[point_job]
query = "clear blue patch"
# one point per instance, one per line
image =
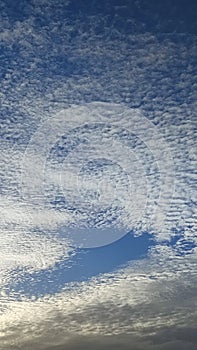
(85, 264)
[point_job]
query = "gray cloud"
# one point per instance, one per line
(133, 310)
(168, 339)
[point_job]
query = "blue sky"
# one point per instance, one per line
(86, 263)
(98, 131)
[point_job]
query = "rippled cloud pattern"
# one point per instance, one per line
(98, 175)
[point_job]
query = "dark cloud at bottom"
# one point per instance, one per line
(166, 339)
(165, 319)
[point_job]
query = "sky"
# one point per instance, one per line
(98, 174)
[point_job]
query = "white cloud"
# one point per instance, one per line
(154, 74)
(143, 299)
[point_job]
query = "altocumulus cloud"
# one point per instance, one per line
(148, 304)
(152, 306)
